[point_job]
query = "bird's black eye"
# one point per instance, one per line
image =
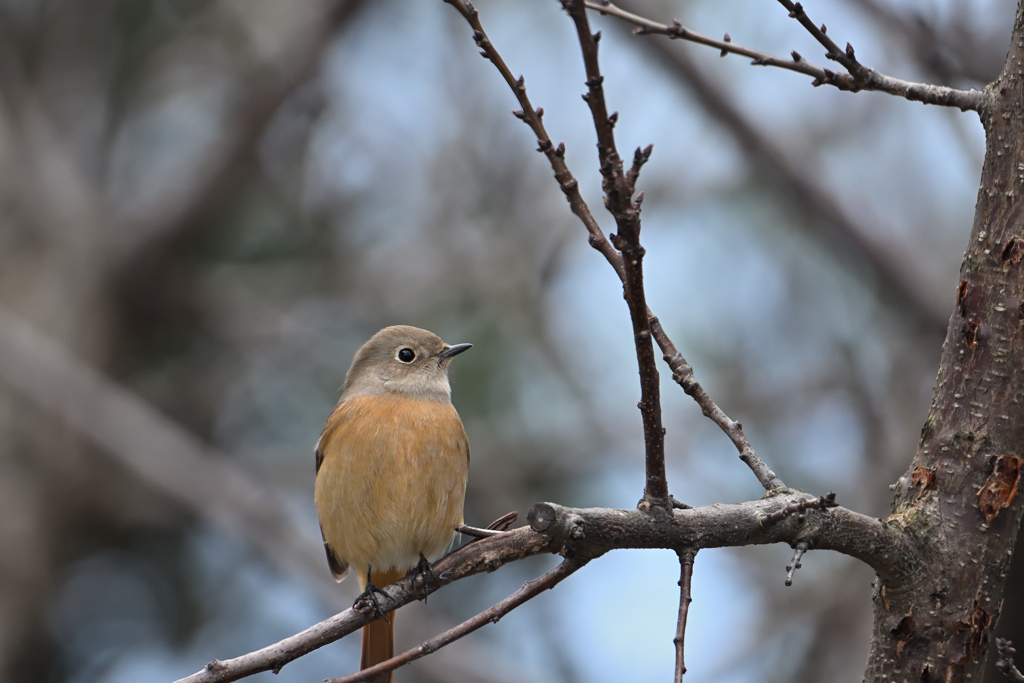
(406, 355)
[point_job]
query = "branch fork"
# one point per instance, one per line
(859, 77)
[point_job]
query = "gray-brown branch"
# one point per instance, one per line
(484, 555)
(593, 531)
(843, 232)
(859, 77)
(959, 499)
(682, 373)
(530, 590)
(619, 186)
(588, 533)
(685, 580)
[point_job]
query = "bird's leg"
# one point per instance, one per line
(423, 570)
(369, 597)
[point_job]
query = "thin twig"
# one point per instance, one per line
(677, 31)
(794, 564)
(496, 527)
(845, 233)
(534, 119)
(685, 579)
(682, 372)
(868, 79)
(486, 555)
(530, 590)
(834, 52)
(619, 186)
(947, 52)
(859, 78)
(476, 532)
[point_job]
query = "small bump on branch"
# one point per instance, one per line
(797, 507)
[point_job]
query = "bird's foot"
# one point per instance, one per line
(421, 571)
(367, 601)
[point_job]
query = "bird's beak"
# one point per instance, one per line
(454, 350)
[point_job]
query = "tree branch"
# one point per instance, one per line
(593, 531)
(682, 372)
(530, 590)
(685, 579)
(794, 564)
(485, 555)
(534, 119)
(618, 186)
(843, 232)
(859, 78)
(583, 534)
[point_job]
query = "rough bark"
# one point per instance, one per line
(958, 498)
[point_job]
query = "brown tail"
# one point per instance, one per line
(379, 635)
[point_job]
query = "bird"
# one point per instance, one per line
(391, 469)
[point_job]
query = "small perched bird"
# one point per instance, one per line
(391, 468)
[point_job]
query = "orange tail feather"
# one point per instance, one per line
(379, 635)
(379, 645)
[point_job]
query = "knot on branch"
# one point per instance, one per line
(798, 507)
(543, 517)
(676, 30)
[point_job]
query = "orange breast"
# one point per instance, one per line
(392, 482)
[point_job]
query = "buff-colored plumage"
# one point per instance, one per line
(392, 481)
(391, 466)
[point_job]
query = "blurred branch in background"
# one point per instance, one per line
(850, 242)
(955, 50)
(168, 458)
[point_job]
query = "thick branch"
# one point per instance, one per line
(530, 590)
(487, 554)
(592, 531)
(618, 197)
(794, 518)
(960, 497)
(859, 78)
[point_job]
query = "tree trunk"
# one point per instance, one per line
(958, 499)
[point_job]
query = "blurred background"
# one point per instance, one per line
(206, 206)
